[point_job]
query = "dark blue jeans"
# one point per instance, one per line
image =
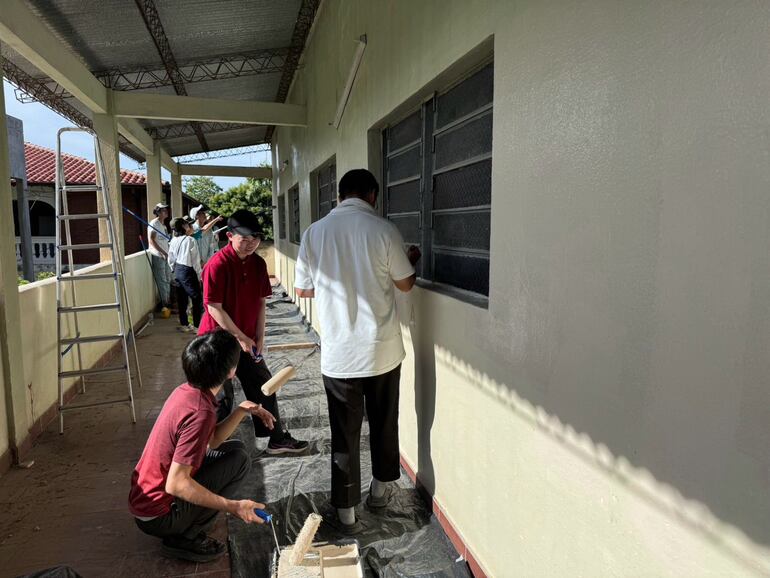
(188, 286)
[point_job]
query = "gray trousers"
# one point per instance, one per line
(162, 273)
(222, 472)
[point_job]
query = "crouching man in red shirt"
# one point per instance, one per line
(189, 470)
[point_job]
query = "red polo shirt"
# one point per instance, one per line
(237, 284)
(181, 434)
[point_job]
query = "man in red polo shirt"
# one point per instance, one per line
(189, 470)
(235, 288)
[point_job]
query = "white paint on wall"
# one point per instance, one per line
(609, 414)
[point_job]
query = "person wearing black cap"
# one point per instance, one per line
(158, 237)
(235, 287)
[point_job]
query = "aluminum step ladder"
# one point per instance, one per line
(67, 307)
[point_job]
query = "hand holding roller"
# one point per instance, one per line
(278, 380)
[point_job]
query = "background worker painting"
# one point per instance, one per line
(158, 246)
(235, 286)
(204, 234)
(351, 261)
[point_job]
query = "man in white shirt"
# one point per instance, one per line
(158, 237)
(351, 262)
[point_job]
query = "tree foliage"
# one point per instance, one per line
(201, 188)
(255, 195)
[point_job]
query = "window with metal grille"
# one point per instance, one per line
(325, 191)
(282, 216)
(438, 182)
(294, 231)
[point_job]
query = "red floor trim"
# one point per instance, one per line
(454, 536)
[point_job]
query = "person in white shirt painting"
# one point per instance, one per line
(351, 262)
(203, 232)
(158, 235)
(185, 262)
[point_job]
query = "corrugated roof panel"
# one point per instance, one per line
(262, 87)
(217, 141)
(105, 34)
(202, 29)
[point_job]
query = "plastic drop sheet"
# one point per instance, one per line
(403, 541)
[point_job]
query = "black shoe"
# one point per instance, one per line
(334, 522)
(377, 504)
(200, 549)
(286, 445)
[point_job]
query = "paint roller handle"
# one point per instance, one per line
(264, 515)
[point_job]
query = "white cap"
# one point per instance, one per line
(195, 210)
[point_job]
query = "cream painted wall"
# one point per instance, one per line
(38, 306)
(609, 414)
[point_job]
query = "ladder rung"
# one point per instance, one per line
(85, 246)
(87, 277)
(81, 308)
(92, 371)
(77, 188)
(82, 216)
(94, 404)
(92, 338)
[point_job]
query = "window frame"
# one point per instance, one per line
(428, 172)
(282, 236)
(316, 188)
(295, 228)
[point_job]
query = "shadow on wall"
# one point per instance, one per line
(730, 515)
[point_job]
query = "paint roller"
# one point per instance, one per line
(278, 380)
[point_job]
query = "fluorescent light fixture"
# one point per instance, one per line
(351, 79)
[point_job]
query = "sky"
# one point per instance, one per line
(41, 125)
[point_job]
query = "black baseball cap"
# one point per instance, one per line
(243, 222)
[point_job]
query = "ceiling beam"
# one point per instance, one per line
(155, 27)
(226, 171)
(169, 107)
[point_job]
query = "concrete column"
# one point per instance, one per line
(106, 129)
(17, 406)
(154, 182)
(176, 196)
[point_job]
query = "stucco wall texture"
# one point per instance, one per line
(609, 412)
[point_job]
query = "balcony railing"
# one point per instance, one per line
(43, 253)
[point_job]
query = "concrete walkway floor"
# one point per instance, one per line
(70, 507)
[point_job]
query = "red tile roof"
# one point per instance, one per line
(41, 168)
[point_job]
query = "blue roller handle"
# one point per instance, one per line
(264, 515)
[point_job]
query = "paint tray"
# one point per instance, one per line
(338, 559)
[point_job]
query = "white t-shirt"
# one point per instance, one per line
(207, 244)
(183, 250)
(351, 258)
(160, 240)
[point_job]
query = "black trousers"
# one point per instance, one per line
(188, 285)
(252, 376)
(346, 399)
(222, 472)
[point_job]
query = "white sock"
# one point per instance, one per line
(378, 488)
(347, 515)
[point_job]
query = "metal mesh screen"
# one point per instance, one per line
(468, 186)
(327, 190)
(448, 218)
(405, 132)
(294, 210)
(462, 230)
(463, 99)
(282, 217)
(467, 272)
(409, 225)
(404, 198)
(469, 140)
(404, 165)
